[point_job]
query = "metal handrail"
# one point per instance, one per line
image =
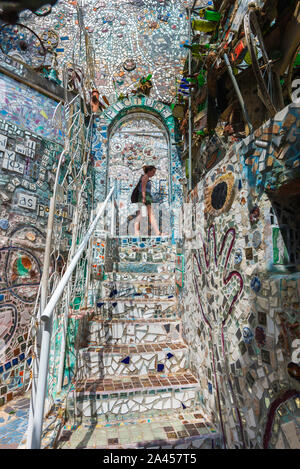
(46, 317)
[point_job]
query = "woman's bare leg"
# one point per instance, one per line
(137, 225)
(152, 220)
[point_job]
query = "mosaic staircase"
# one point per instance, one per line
(134, 388)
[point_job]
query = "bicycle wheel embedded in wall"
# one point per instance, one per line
(293, 72)
(269, 90)
(22, 44)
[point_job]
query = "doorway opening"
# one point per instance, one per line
(136, 140)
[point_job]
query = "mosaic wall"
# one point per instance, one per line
(129, 40)
(29, 109)
(242, 291)
(29, 148)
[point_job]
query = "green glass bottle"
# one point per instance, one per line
(204, 25)
(212, 15)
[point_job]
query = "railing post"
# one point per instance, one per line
(35, 440)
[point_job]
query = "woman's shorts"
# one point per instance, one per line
(148, 200)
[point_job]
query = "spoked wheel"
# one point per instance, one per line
(268, 84)
(293, 72)
(22, 44)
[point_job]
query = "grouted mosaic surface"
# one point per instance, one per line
(32, 111)
(129, 40)
(31, 142)
(28, 155)
(134, 366)
(241, 294)
(118, 331)
(185, 430)
(136, 359)
(13, 421)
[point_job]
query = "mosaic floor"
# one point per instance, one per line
(180, 431)
(13, 422)
(137, 348)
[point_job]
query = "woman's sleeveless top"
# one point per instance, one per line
(148, 187)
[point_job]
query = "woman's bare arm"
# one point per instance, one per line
(145, 179)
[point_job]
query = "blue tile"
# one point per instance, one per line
(126, 360)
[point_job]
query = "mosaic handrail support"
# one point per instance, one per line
(46, 316)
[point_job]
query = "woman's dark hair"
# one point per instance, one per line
(148, 168)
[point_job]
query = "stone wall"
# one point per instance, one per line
(242, 287)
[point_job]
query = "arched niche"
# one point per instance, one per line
(107, 124)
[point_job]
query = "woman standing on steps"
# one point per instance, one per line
(145, 200)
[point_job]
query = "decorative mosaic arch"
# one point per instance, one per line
(104, 126)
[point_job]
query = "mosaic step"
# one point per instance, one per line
(133, 417)
(115, 360)
(153, 290)
(153, 255)
(144, 242)
(142, 249)
(133, 331)
(135, 394)
(184, 430)
(137, 308)
(150, 243)
(138, 250)
(133, 277)
(141, 267)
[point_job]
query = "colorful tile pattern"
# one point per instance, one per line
(241, 295)
(147, 34)
(29, 109)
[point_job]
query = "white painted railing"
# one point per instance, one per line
(35, 432)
